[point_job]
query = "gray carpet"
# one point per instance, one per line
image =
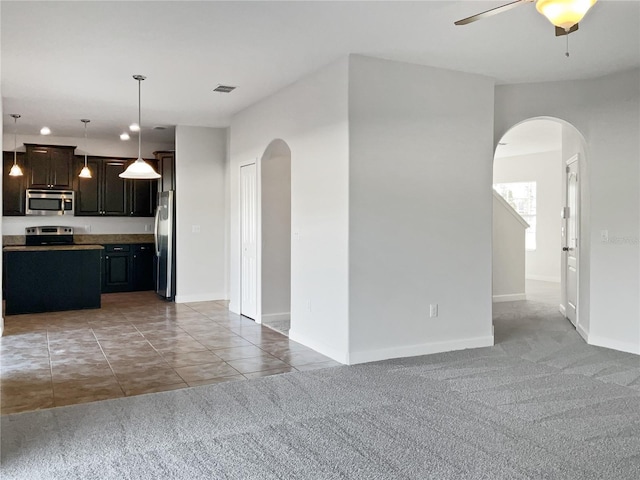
(539, 405)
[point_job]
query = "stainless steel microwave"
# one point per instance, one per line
(50, 202)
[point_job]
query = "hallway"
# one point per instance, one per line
(534, 330)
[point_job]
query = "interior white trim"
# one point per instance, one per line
(276, 316)
(422, 349)
(543, 278)
(201, 297)
(1, 326)
(510, 297)
(599, 341)
(563, 310)
(319, 347)
(582, 332)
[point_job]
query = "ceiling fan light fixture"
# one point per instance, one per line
(564, 13)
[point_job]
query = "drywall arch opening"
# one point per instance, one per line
(539, 170)
(275, 236)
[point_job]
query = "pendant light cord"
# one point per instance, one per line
(85, 142)
(139, 78)
(15, 137)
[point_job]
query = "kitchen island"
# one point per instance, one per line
(51, 278)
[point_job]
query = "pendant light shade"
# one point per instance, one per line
(140, 170)
(15, 171)
(85, 172)
(564, 13)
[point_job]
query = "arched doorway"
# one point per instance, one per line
(536, 261)
(275, 220)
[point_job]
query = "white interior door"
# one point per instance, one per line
(249, 228)
(570, 249)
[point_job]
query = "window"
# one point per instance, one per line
(522, 197)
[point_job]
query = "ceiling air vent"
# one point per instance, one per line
(224, 88)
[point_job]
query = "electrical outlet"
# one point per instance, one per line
(309, 305)
(87, 228)
(604, 236)
(433, 310)
(195, 228)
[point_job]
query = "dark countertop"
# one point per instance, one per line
(46, 248)
(91, 239)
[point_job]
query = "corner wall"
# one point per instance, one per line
(201, 154)
(606, 111)
(311, 117)
(420, 209)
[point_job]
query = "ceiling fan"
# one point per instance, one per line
(564, 14)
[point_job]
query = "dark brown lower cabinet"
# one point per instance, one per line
(128, 268)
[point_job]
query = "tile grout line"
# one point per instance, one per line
(108, 362)
(53, 393)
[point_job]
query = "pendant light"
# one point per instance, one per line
(15, 171)
(140, 169)
(85, 172)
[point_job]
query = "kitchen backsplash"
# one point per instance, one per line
(81, 225)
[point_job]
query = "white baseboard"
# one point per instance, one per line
(627, 347)
(542, 278)
(582, 332)
(563, 310)
(1, 326)
(511, 297)
(331, 352)
(200, 297)
(276, 316)
(423, 349)
(234, 308)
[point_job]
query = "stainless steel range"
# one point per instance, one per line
(49, 235)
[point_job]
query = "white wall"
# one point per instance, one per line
(201, 154)
(311, 117)
(276, 235)
(508, 258)
(420, 208)
(544, 168)
(96, 146)
(606, 111)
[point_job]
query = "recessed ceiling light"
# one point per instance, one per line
(124, 136)
(159, 127)
(45, 131)
(224, 88)
(502, 143)
(134, 127)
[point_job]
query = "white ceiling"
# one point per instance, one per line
(62, 61)
(533, 136)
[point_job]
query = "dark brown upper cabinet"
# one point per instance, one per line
(109, 195)
(12, 187)
(166, 168)
(49, 166)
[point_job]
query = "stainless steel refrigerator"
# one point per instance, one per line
(165, 245)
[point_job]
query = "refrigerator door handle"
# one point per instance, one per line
(155, 231)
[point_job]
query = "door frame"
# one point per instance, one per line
(575, 159)
(258, 217)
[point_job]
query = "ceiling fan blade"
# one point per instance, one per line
(561, 31)
(491, 12)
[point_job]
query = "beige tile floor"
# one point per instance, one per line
(136, 343)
